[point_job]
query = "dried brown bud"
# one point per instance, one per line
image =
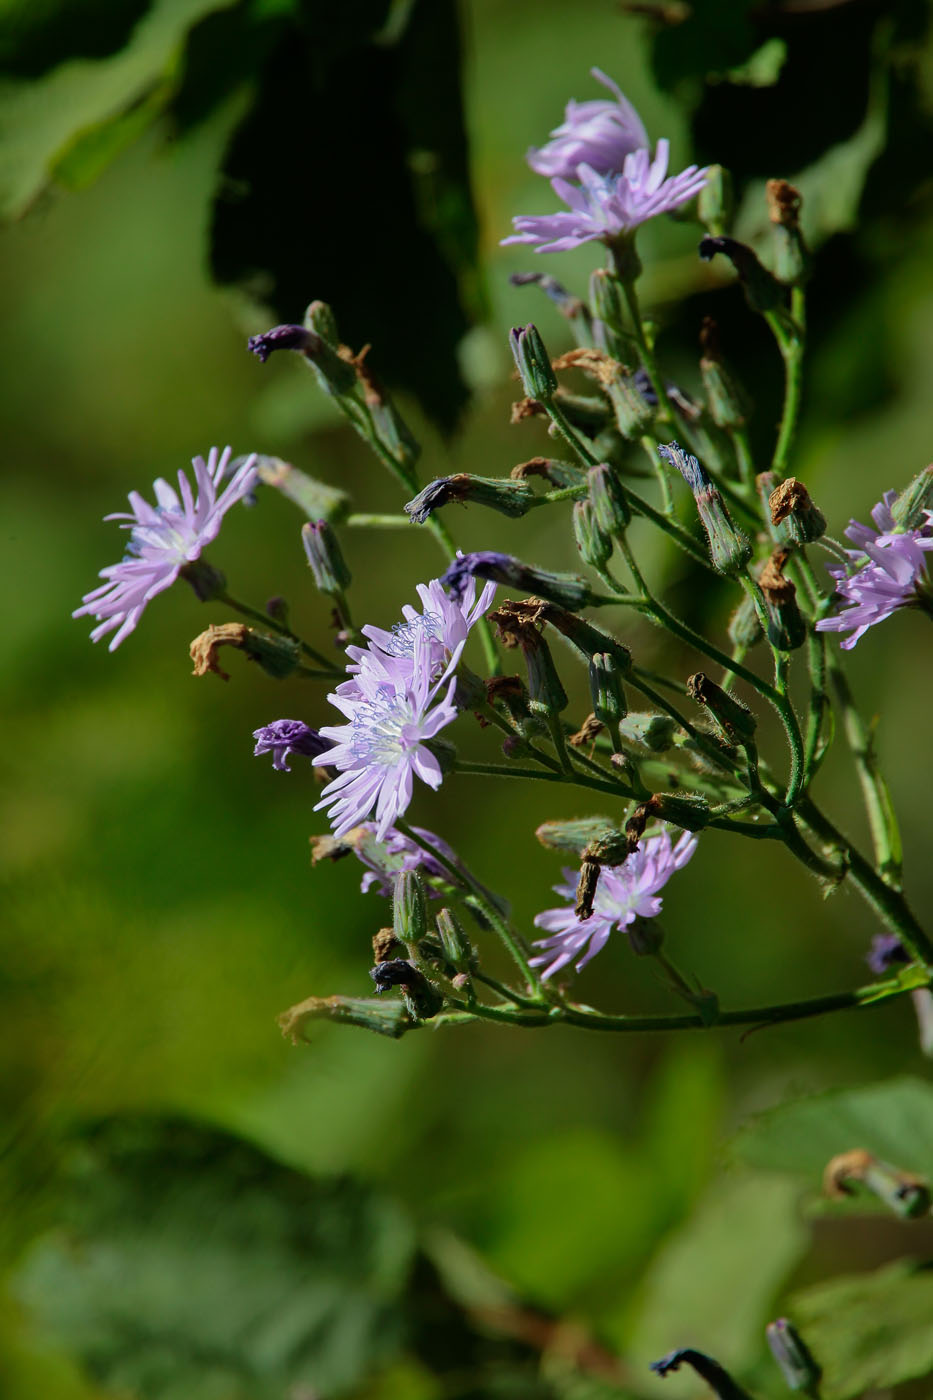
(709, 342)
(586, 888)
(783, 203)
(775, 587)
(788, 496)
(204, 648)
(385, 945)
(330, 847)
(526, 408)
(589, 731)
(635, 826)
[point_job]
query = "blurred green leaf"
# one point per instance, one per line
(869, 1331)
(764, 66)
(893, 1120)
(713, 1284)
(712, 36)
(41, 121)
(192, 1265)
(38, 34)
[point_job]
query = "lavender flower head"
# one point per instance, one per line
(397, 852)
(886, 951)
(609, 207)
(624, 893)
(286, 736)
(444, 624)
(163, 539)
(890, 572)
(598, 133)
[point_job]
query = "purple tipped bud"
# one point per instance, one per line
(909, 511)
(287, 736)
(568, 590)
(282, 338)
(325, 558)
(533, 363)
(730, 549)
(510, 497)
(886, 951)
(792, 1354)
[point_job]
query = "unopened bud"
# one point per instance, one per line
(762, 291)
(607, 497)
(454, 943)
(409, 907)
(389, 1018)
(422, 1000)
(634, 410)
(786, 627)
(546, 694)
(594, 544)
(587, 884)
(609, 319)
(715, 201)
(324, 555)
(277, 609)
(745, 625)
(606, 689)
(735, 719)
(576, 836)
(320, 318)
(317, 500)
(533, 363)
(791, 509)
(911, 506)
(903, 1192)
(508, 497)
(567, 590)
(791, 259)
(208, 583)
(793, 1356)
(730, 549)
(649, 731)
(688, 810)
(727, 404)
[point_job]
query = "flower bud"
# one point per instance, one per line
(715, 201)
(594, 544)
(745, 625)
(546, 694)
(551, 469)
(606, 689)
(907, 1195)
(533, 363)
(736, 720)
(585, 833)
(422, 1000)
(278, 656)
(645, 936)
(324, 555)
(792, 510)
(786, 627)
(384, 1017)
(762, 291)
(793, 1356)
(727, 403)
(320, 318)
(509, 497)
(568, 590)
(609, 324)
(649, 731)
(409, 908)
(730, 549)
(318, 501)
(909, 510)
(634, 410)
(454, 943)
(607, 497)
(791, 258)
(208, 583)
(689, 810)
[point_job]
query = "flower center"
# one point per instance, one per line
(404, 634)
(384, 730)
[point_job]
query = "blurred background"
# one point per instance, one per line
(510, 1210)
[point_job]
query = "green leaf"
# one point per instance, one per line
(869, 1331)
(191, 1266)
(41, 121)
(713, 1284)
(893, 1120)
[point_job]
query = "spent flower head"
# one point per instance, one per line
(888, 571)
(599, 133)
(164, 538)
(609, 207)
(287, 736)
(624, 893)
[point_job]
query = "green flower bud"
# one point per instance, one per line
(508, 497)
(715, 200)
(633, 413)
(389, 1018)
(649, 730)
(409, 908)
(606, 689)
(607, 497)
(745, 625)
(576, 836)
(730, 549)
(594, 544)
(793, 1356)
(736, 720)
(786, 628)
(318, 501)
(546, 694)
(727, 403)
(324, 555)
(208, 583)
(455, 945)
(609, 325)
(791, 258)
(533, 363)
(912, 503)
(688, 810)
(320, 318)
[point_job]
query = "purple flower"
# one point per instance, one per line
(282, 338)
(396, 852)
(624, 893)
(890, 572)
(393, 705)
(568, 590)
(444, 624)
(609, 207)
(285, 736)
(163, 539)
(598, 133)
(886, 951)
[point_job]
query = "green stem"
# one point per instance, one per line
(363, 520)
(510, 770)
(744, 457)
(271, 625)
(781, 702)
(791, 345)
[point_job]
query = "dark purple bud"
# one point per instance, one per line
(394, 973)
(886, 951)
(763, 291)
(568, 590)
(286, 736)
(282, 338)
(716, 1377)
